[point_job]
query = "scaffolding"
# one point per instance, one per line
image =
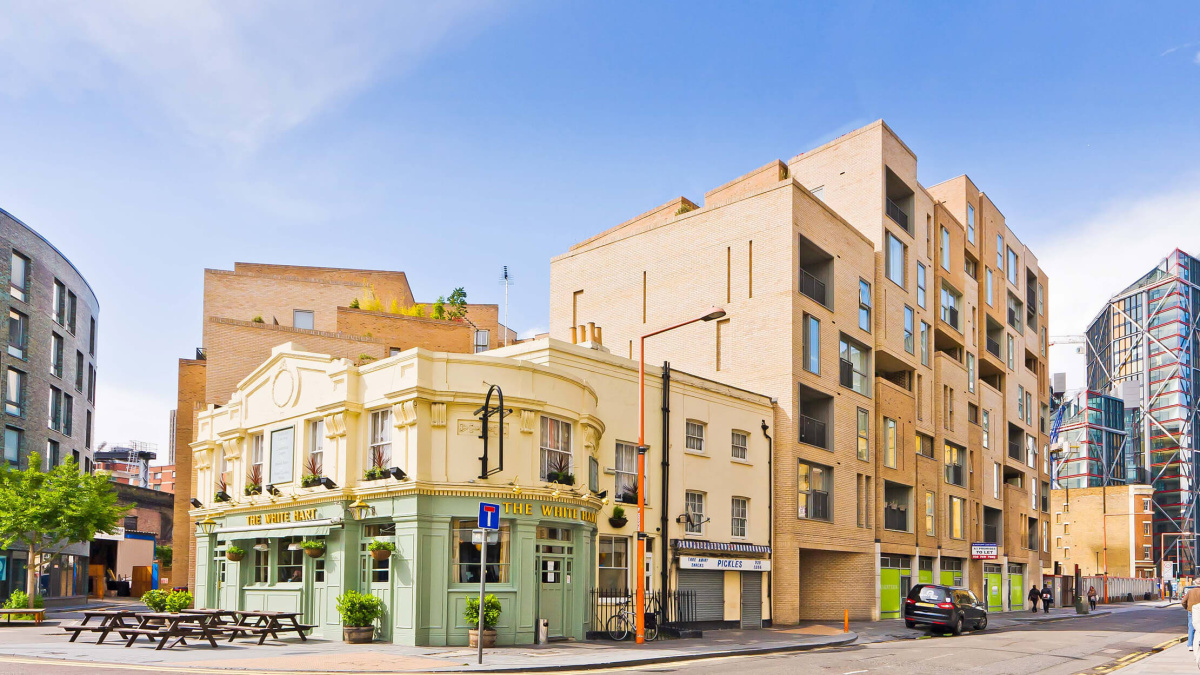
(1141, 348)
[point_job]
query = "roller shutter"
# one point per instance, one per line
(709, 589)
(751, 600)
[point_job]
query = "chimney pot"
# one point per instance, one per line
(599, 334)
(591, 331)
(574, 341)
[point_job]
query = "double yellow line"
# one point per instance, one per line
(1134, 657)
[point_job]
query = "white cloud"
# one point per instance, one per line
(232, 73)
(123, 415)
(1089, 262)
(530, 332)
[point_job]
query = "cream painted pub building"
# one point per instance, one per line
(569, 458)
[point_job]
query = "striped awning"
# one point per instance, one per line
(718, 547)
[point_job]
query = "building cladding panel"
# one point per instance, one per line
(31, 351)
(845, 241)
(1141, 347)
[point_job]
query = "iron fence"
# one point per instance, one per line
(671, 609)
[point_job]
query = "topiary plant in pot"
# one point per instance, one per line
(491, 617)
(359, 612)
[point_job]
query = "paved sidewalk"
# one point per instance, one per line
(24, 644)
(1171, 661)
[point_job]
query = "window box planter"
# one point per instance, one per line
(375, 473)
(310, 481)
(561, 478)
(252, 490)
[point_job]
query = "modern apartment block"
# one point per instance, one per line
(1091, 442)
(49, 382)
(902, 330)
(1141, 347)
(254, 307)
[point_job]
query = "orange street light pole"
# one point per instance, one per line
(640, 619)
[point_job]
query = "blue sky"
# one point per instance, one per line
(151, 140)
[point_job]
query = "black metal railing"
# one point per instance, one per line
(991, 534)
(1033, 539)
(895, 519)
(846, 373)
(670, 609)
(812, 286)
(897, 214)
(812, 431)
(993, 346)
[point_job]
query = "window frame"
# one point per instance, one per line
(560, 429)
(910, 318)
(891, 442)
(21, 292)
(921, 285)
(743, 518)
(690, 499)
(807, 499)
(20, 321)
(379, 435)
(734, 447)
(863, 422)
(971, 223)
(312, 319)
(691, 438)
(864, 305)
(812, 344)
(612, 556)
(945, 252)
(891, 241)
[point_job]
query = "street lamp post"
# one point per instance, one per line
(640, 619)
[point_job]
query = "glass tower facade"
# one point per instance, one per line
(1094, 442)
(1141, 348)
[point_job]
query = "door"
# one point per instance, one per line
(708, 591)
(751, 600)
(993, 581)
(552, 579)
(889, 593)
(1016, 594)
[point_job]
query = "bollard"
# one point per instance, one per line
(846, 621)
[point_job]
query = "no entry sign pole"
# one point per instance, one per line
(489, 521)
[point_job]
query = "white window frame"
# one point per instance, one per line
(548, 448)
(739, 515)
(380, 436)
(694, 436)
(740, 450)
(693, 501)
(316, 441)
(484, 344)
(312, 318)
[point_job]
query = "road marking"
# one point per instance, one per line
(854, 672)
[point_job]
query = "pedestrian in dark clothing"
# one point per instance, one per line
(1092, 597)
(1034, 596)
(1047, 598)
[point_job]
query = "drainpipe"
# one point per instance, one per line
(666, 471)
(770, 506)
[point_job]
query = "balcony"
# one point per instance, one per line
(993, 347)
(812, 286)
(897, 214)
(812, 431)
(951, 316)
(954, 474)
(1016, 438)
(991, 534)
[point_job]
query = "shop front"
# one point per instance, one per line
(540, 569)
(723, 583)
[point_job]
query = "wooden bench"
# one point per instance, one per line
(8, 614)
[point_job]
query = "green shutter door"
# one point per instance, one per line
(947, 577)
(889, 593)
(995, 593)
(1016, 595)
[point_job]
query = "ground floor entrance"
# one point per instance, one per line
(993, 581)
(1016, 585)
(895, 579)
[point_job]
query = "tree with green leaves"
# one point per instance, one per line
(456, 304)
(48, 511)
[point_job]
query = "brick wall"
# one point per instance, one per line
(404, 332)
(387, 284)
(190, 400)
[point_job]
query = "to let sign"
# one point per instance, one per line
(984, 551)
(489, 516)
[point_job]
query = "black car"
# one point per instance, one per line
(944, 607)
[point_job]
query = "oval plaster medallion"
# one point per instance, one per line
(282, 387)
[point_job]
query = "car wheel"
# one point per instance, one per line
(910, 624)
(982, 623)
(957, 626)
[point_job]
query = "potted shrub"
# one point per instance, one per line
(222, 494)
(155, 600)
(617, 519)
(491, 616)
(253, 481)
(628, 494)
(313, 548)
(177, 601)
(234, 553)
(381, 550)
(559, 471)
(359, 612)
(378, 460)
(312, 472)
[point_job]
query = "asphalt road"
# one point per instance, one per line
(1095, 646)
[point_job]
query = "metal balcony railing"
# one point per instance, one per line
(1014, 450)
(812, 286)
(993, 346)
(895, 519)
(897, 214)
(954, 474)
(812, 431)
(1014, 319)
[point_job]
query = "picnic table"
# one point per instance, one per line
(165, 625)
(264, 623)
(110, 620)
(220, 617)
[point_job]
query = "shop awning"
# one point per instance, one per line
(314, 528)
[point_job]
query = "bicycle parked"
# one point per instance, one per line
(622, 624)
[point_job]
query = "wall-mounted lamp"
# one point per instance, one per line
(262, 547)
(206, 526)
(361, 510)
(273, 491)
(196, 503)
(397, 473)
(328, 483)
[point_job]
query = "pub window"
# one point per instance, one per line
(380, 450)
(372, 571)
(614, 563)
(555, 447)
(262, 561)
(291, 560)
(465, 562)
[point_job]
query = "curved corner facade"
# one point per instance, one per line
(49, 382)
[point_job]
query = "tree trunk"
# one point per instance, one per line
(31, 579)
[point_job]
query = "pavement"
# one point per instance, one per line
(1168, 661)
(31, 645)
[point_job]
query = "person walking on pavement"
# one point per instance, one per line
(1047, 598)
(1191, 599)
(1092, 598)
(1034, 596)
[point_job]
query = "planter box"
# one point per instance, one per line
(489, 637)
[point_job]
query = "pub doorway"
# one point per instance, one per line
(555, 550)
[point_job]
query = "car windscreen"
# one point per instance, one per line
(929, 594)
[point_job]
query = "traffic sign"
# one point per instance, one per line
(489, 516)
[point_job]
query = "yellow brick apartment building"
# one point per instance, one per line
(902, 331)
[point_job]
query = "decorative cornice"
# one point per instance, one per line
(335, 425)
(437, 414)
(404, 413)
